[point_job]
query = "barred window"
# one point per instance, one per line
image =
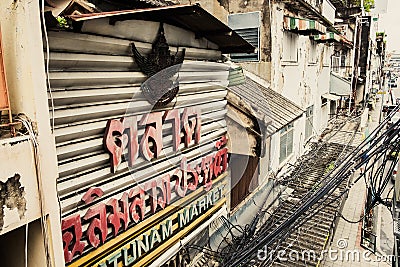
(286, 142)
(309, 122)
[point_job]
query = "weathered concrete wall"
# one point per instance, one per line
(221, 9)
(298, 148)
(19, 201)
(264, 162)
(25, 73)
(262, 68)
(302, 81)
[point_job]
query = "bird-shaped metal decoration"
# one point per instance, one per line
(159, 66)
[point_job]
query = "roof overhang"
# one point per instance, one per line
(332, 37)
(190, 17)
(305, 9)
(331, 96)
(56, 6)
(270, 108)
(303, 26)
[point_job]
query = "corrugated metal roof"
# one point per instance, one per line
(267, 104)
(191, 17)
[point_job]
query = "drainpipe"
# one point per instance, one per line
(356, 35)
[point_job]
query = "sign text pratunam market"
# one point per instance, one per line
(111, 218)
(144, 243)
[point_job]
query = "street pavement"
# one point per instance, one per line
(345, 249)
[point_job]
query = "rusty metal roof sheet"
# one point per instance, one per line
(190, 17)
(267, 104)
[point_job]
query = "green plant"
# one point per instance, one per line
(62, 22)
(329, 167)
(368, 4)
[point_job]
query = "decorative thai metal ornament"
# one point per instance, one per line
(162, 88)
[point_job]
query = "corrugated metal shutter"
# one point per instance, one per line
(93, 79)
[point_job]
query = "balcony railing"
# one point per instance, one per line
(321, 10)
(328, 11)
(342, 71)
(339, 85)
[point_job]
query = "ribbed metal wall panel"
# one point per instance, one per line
(101, 45)
(93, 79)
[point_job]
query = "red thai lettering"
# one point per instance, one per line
(221, 142)
(176, 135)
(137, 207)
(91, 194)
(220, 162)
(98, 216)
(72, 233)
(208, 170)
(119, 135)
(192, 126)
(186, 178)
(113, 142)
(153, 131)
(119, 212)
(163, 185)
(130, 125)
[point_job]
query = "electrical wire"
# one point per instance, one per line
(242, 242)
(26, 244)
(32, 136)
(347, 167)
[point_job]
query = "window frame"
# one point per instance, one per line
(284, 133)
(313, 53)
(309, 125)
(290, 38)
(326, 61)
(243, 24)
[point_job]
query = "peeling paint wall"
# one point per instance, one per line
(18, 187)
(221, 9)
(12, 196)
(304, 81)
(263, 67)
(26, 77)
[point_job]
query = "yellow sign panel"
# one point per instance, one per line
(142, 244)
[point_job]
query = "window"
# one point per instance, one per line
(244, 177)
(312, 55)
(343, 60)
(309, 122)
(247, 25)
(290, 42)
(335, 64)
(324, 101)
(286, 142)
(326, 56)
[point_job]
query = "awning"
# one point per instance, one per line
(339, 86)
(303, 26)
(331, 96)
(190, 17)
(332, 37)
(268, 106)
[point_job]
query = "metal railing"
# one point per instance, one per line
(368, 240)
(342, 71)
